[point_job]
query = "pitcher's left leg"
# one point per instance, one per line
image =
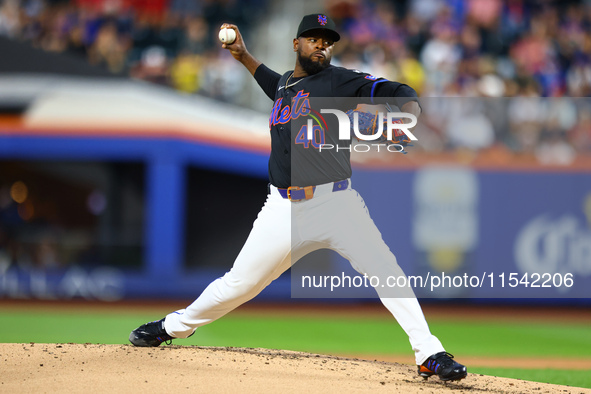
(358, 240)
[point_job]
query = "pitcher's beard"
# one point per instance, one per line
(310, 66)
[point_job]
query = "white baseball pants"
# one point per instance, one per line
(285, 231)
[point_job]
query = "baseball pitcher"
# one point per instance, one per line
(309, 190)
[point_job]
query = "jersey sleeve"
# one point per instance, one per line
(267, 80)
(352, 83)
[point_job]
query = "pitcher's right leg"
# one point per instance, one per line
(263, 258)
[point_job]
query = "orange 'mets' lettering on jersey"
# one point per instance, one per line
(300, 105)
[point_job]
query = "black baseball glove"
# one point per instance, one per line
(368, 123)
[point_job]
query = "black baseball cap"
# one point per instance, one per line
(317, 22)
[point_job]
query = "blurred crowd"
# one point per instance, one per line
(535, 52)
(446, 47)
(526, 129)
(167, 42)
(440, 47)
(525, 49)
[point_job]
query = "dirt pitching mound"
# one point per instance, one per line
(75, 368)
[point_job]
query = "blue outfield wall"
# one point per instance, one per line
(440, 221)
(521, 234)
(166, 163)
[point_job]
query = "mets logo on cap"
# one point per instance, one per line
(322, 19)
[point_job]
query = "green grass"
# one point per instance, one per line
(324, 335)
(379, 336)
(515, 339)
(554, 376)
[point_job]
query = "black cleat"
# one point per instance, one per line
(150, 334)
(442, 365)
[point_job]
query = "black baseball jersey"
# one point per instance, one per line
(296, 161)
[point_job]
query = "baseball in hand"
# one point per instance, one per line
(227, 36)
